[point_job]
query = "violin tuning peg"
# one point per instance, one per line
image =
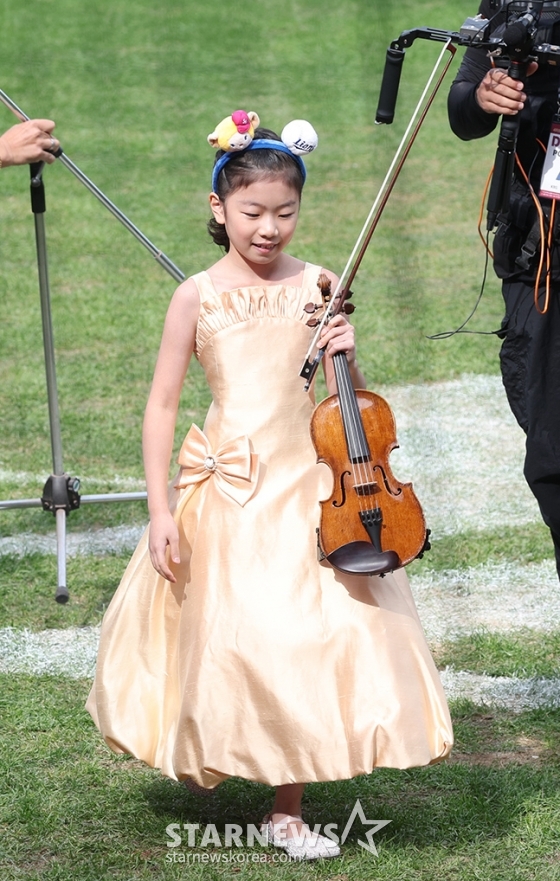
(348, 308)
(349, 295)
(310, 307)
(313, 322)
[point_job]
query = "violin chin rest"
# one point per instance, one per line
(361, 558)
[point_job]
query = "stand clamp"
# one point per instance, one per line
(61, 493)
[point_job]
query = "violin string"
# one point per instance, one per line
(353, 432)
(361, 470)
(342, 388)
(366, 471)
(362, 473)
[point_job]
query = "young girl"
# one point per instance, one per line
(235, 652)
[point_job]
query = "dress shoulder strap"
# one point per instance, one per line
(204, 285)
(310, 275)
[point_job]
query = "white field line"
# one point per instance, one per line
(460, 446)
(72, 653)
(463, 450)
(30, 478)
(464, 453)
(495, 596)
(507, 692)
(115, 540)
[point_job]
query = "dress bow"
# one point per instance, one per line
(234, 466)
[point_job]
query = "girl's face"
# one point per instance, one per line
(260, 219)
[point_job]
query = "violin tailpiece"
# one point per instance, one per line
(373, 521)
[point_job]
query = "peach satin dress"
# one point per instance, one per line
(261, 662)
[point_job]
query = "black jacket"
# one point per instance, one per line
(468, 121)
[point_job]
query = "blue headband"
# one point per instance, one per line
(258, 144)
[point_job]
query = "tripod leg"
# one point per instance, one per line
(62, 595)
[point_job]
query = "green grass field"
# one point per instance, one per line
(134, 92)
(134, 89)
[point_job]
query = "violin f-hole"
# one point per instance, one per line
(342, 490)
(388, 486)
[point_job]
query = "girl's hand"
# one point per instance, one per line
(338, 336)
(163, 535)
(499, 93)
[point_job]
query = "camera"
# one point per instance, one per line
(519, 31)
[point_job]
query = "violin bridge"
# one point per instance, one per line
(366, 489)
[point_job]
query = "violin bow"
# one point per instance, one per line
(342, 291)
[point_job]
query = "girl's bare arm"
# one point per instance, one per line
(177, 346)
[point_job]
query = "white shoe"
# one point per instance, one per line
(305, 845)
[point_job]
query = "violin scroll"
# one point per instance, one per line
(324, 285)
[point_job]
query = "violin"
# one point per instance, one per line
(371, 524)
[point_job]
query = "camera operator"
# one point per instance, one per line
(530, 353)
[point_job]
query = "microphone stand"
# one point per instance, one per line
(61, 491)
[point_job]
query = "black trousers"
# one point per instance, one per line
(530, 363)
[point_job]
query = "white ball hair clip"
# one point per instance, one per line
(300, 136)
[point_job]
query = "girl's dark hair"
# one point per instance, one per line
(248, 166)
